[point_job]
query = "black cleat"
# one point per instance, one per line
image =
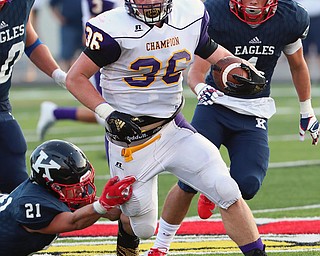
(127, 245)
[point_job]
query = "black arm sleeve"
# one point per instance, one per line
(206, 50)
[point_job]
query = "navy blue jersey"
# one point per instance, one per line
(241, 125)
(32, 206)
(13, 21)
(261, 45)
(13, 18)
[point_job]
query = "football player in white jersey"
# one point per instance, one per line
(141, 51)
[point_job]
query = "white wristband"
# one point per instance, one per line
(98, 208)
(306, 108)
(199, 87)
(59, 77)
(104, 110)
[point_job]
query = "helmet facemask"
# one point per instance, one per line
(76, 195)
(149, 13)
(253, 15)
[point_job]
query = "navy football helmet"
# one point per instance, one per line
(64, 170)
(251, 14)
(149, 13)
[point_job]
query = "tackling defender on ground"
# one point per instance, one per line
(59, 196)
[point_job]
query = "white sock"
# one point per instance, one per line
(165, 234)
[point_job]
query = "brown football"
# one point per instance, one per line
(225, 68)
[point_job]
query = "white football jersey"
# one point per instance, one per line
(142, 65)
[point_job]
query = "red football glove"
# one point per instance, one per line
(115, 192)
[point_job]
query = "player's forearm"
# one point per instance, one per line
(197, 72)
(68, 221)
(42, 58)
(300, 74)
(84, 217)
(81, 88)
(301, 81)
(79, 85)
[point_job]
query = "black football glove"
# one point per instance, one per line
(254, 84)
(121, 126)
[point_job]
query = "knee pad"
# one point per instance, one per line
(144, 226)
(145, 231)
(249, 187)
(228, 191)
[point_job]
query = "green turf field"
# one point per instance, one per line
(291, 188)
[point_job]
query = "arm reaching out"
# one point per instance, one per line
(115, 192)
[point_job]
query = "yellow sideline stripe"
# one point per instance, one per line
(205, 246)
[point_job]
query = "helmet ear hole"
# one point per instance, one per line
(64, 170)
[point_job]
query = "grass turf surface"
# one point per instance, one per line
(291, 188)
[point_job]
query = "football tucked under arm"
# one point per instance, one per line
(236, 76)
